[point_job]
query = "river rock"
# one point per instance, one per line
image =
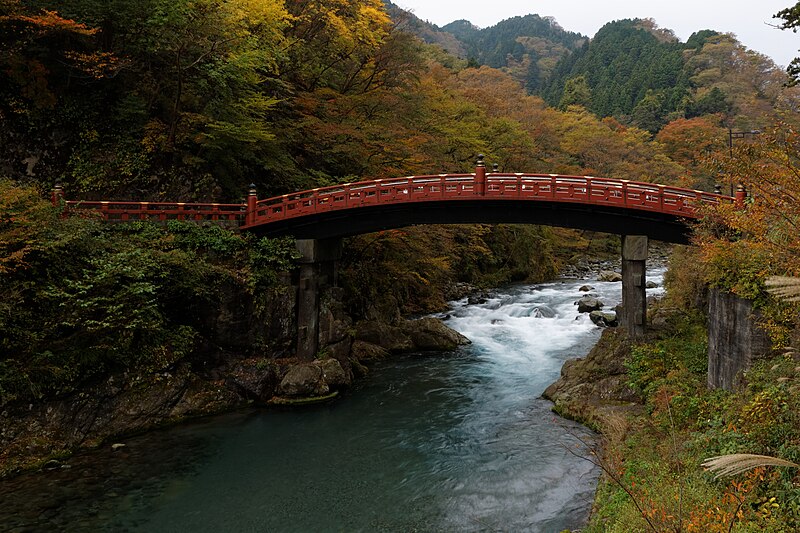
(255, 378)
(410, 335)
(587, 304)
(651, 285)
(604, 319)
(432, 334)
(366, 351)
(595, 387)
(586, 288)
(303, 381)
(477, 300)
(391, 338)
(609, 275)
(334, 375)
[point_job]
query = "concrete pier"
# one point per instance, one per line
(634, 297)
(318, 264)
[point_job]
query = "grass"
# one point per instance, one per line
(657, 459)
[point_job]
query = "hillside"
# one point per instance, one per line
(631, 70)
(527, 47)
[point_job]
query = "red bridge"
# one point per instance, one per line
(319, 217)
(600, 204)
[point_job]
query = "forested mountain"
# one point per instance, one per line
(631, 69)
(641, 74)
(528, 47)
(622, 65)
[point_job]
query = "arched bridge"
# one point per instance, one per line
(599, 204)
(319, 217)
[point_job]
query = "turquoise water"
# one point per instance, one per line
(443, 442)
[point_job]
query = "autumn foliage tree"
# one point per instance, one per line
(768, 224)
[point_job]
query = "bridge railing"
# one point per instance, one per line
(545, 187)
(642, 196)
(365, 193)
(162, 211)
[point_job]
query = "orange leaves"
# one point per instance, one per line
(769, 224)
(686, 140)
(31, 69)
(98, 65)
(50, 22)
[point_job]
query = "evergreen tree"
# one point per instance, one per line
(576, 92)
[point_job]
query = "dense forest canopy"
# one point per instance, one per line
(194, 100)
(191, 100)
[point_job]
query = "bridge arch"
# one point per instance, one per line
(583, 202)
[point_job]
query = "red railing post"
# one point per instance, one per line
(57, 194)
(252, 199)
(480, 176)
(741, 196)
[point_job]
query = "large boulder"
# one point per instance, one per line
(424, 334)
(609, 275)
(333, 374)
(596, 386)
(604, 319)
(303, 381)
(365, 351)
(255, 378)
(391, 338)
(587, 304)
(432, 334)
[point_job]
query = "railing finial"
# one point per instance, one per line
(57, 194)
(252, 201)
(480, 176)
(717, 189)
(741, 196)
(495, 168)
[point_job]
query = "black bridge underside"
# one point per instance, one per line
(606, 219)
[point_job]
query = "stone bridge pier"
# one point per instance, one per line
(634, 297)
(318, 269)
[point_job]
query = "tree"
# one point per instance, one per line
(791, 21)
(649, 112)
(769, 225)
(690, 142)
(157, 97)
(576, 92)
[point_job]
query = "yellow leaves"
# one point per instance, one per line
(263, 18)
(22, 215)
(345, 23)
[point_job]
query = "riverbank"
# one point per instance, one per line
(43, 434)
(443, 441)
(649, 401)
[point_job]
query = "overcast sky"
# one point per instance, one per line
(748, 20)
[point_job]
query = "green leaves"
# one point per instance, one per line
(80, 299)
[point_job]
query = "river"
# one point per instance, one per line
(443, 442)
